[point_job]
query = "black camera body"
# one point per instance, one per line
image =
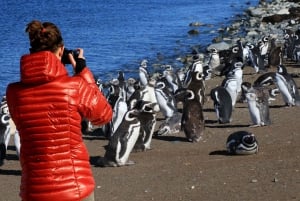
(65, 56)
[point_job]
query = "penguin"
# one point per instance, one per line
(207, 72)
(287, 87)
(258, 105)
(147, 117)
(214, 59)
(264, 80)
(253, 57)
(99, 83)
(237, 73)
(122, 142)
(275, 57)
(291, 41)
(233, 81)
(165, 100)
(181, 74)
(119, 110)
(148, 94)
(114, 92)
(222, 104)
(130, 87)
(242, 143)
(171, 78)
(171, 125)
(242, 51)
(264, 46)
(231, 85)
(245, 87)
(143, 73)
(192, 121)
(258, 54)
(196, 66)
(6, 123)
(4, 135)
(267, 80)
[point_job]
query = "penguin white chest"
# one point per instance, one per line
(253, 109)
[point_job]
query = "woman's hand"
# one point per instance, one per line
(79, 63)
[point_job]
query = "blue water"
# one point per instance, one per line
(115, 34)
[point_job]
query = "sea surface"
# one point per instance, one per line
(115, 34)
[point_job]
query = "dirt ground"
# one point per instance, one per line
(177, 170)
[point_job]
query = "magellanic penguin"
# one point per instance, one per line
(196, 66)
(4, 135)
(147, 117)
(267, 80)
(214, 59)
(231, 85)
(130, 87)
(275, 56)
(258, 105)
(192, 122)
(171, 125)
(143, 73)
(264, 46)
(171, 78)
(148, 94)
(5, 123)
(7, 127)
(122, 142)
(253, 56)
(222, 104)
(234, 78)
(119, 110)
(165, 100)
(242, 143)
(245, 87)
(287, 87)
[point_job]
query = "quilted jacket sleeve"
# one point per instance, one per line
(93, 104)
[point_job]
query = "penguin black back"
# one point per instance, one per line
(222, 103)
(192, 122)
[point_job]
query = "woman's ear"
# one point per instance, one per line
(61, 51)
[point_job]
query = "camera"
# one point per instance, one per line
(65, 56)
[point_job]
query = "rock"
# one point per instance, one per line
(196, 24)
(219, 46)
(283, 11)
(193, 32)
(255, 12)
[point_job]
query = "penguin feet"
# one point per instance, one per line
(195, 139)
(254, 126)
(103, 162)
(164, 130)
(129, 162)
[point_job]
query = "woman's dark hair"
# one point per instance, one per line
(43, 36)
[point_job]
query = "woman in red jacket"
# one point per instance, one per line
(47, 107)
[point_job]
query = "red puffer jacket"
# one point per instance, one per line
(47, 107)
